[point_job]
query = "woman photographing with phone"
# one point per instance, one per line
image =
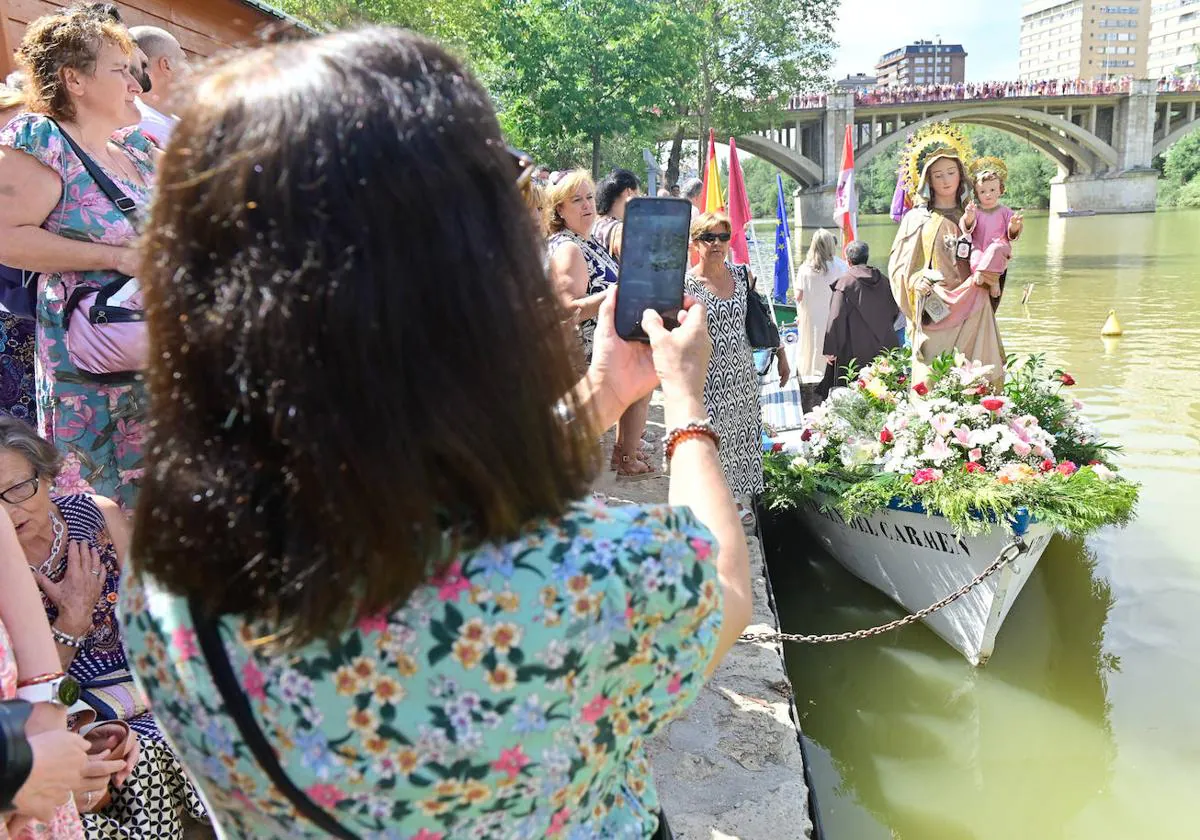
(406, 617)
(731, 386)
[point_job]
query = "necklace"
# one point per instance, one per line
(59, 530)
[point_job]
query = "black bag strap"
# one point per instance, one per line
(238, 707)
(102, 295)
(124, 203)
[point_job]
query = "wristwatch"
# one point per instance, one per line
(61, 691)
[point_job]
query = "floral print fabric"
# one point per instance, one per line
(97, 428)
(511, 696)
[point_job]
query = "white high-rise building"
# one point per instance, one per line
(1174, 38)
(1081, 39)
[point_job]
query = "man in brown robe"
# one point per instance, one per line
(862, 317)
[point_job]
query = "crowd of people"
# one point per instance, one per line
(904, 94)
(361, 593)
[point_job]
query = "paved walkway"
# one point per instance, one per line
(731, 767)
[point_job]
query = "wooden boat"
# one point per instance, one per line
(916, 560)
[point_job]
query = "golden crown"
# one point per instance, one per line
(933, 138)
(988, 163)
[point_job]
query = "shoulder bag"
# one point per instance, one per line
(106, 329)
(760, 326)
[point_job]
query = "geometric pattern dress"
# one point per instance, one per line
(731, 390)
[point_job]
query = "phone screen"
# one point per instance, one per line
(653, 262)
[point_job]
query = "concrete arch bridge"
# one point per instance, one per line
(1102, 144)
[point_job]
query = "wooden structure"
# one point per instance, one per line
(203, 27)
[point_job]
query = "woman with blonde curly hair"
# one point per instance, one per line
(78, 83)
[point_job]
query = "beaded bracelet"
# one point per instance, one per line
(65, 639)
(694, 429)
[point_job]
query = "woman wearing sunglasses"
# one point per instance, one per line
(731, 388)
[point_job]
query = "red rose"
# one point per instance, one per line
(992, 403)
(886, 436)
(777, 447)
(902, 379)
(921, 389)
(1067, 468)
(981, 390)
(806, 434)
(1046, 465)
(974, 467)
(1066, 379)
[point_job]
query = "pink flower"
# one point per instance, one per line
(324, 795)
(962, 434)
(1022, 448)
(70, 479)
(675, 684)
(942, 424)
(426, 834)
(77, 422)
(129, 437)
(992, 403)
(1067, 468)
(559, 821)
(939, 450)
(1066, 379)
(703, 548)
(595, 708)
(511, 761)
(981, 390)
(886, 436)
(184, 642)
(974, 467)
(253, 682)
(975, 454)
(450, 583)
(1046, 465)
(926, 476)
(921, 389)
(373, 624)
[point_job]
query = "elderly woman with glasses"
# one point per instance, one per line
(731, 389)
(75, 547)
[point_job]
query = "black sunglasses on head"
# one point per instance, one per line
(711, 237)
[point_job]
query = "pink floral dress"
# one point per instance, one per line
(97, 427)
(66, 824)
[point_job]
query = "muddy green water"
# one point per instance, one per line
(1086, 723)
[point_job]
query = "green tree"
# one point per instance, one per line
(877, 182)
(761, 189)
(1182, 162)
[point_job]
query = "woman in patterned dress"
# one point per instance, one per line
(152, 797)
(477, 650)
(731, 388)
(67, 229)
(581, 268)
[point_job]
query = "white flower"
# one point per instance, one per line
(1103, 473)
(799, 462)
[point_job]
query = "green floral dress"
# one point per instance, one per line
(511, 696)
(97, 428)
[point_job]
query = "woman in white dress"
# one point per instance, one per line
(821, 268)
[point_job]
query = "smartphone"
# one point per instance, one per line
(653, 262)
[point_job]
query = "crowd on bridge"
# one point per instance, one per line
(900, 95)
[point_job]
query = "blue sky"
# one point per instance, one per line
(866, 29)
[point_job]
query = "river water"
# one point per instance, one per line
(1086, 722)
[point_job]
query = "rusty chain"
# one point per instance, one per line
(1008, 554)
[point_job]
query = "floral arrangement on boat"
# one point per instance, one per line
(956, 447)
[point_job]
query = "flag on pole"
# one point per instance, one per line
(739, 208)
(712, 178)
(901, 203)
(845, 202)
(783, 236)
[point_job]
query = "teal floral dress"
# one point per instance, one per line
(97, 428)
(511, 696)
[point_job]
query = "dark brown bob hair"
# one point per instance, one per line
(356, 354)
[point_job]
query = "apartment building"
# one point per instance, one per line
(922, 63)
(1081, 39)
(1174, 38)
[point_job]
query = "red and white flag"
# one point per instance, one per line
(845, 201)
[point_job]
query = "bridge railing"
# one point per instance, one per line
(916, 94)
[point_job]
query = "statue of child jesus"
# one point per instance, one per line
(992, 228)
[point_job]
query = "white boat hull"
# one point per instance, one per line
(916, 560)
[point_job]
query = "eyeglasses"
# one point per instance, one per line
(710, 237)
(20, 492)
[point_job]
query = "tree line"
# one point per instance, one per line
(596, 82)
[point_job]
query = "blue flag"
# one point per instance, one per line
(782, 238)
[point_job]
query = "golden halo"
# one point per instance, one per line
(988, 162)
(936, 137)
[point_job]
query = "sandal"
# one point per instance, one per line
(632, 469)
(643, 455)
